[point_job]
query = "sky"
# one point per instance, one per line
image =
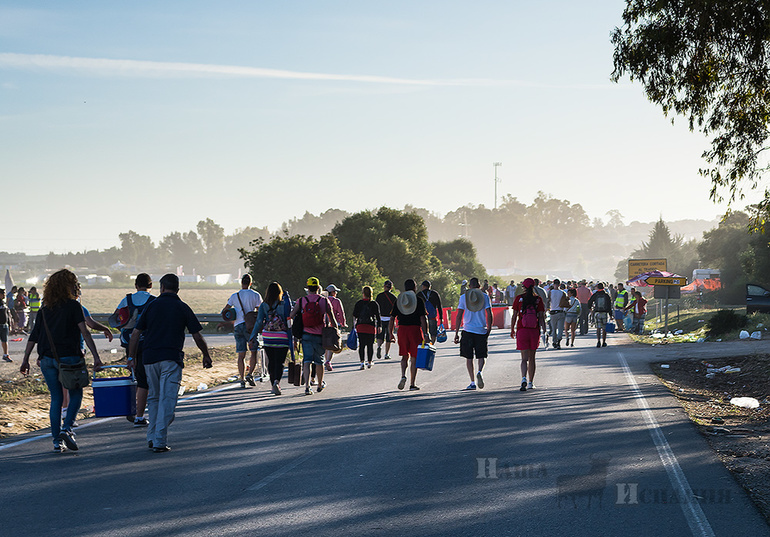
(151, 116)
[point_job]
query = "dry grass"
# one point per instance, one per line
(200, 300)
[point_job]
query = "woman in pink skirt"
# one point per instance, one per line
(527, 323)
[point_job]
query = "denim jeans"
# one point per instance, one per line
(51, 374)
(557, 323)
(163, 379)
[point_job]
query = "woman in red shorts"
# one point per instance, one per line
(527, 322)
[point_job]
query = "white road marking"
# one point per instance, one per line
(281, 471)
(693, 513)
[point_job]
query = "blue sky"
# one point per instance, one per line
(154, 115)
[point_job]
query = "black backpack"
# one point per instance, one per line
(134, 312)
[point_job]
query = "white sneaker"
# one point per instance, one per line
(480, 380)
(530, 386)
(471, 386)
(363, 366)
(369, 365)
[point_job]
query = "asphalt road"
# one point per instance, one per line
(599, 448)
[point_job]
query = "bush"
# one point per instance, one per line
(724, 322)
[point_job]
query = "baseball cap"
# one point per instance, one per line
(313, 281)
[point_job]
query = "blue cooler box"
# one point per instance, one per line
(425, 356)
(610, 328)
(114, 396)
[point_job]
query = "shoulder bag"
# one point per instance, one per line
(71, 376)
(249, 317)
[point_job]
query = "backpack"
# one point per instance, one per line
(367, 316)
(529, 316)
(312, 315)
(274, 322)
(134, 312)
(602, 302)
(429, 307)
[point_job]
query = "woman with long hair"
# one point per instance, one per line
(526, 324)
(366, 319)
(59, 325)
(571, 317)
(272, 323)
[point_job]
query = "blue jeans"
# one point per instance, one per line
(51, 374)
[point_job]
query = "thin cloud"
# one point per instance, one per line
(138, 68)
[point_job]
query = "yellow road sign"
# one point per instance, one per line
(654, 280)
(640, 266)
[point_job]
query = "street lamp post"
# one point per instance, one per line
(496, 164)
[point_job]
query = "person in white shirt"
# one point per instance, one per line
(474, 315)
(244, 302)
(557, 311)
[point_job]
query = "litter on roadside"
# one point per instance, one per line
(725, 369)
(744, 334)
(756, 335)
(664, 366)
(744, 402)
(203, 386)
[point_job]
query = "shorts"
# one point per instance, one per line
(570, 318)
(619, 314)
(312, 350)
(601, 318)
(409, 338)
(433, 328)
(527, 339)
(241, 337)
(383, 334)
(471, 343)
(4, 333)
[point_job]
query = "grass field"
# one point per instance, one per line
(200, 300)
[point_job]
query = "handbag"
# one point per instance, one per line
(249, 317)
(71, 376)
(296, 377)
(331, 338)
(441, 336)
(352, 341)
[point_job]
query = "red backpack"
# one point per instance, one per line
(529, 316)
(312, 315)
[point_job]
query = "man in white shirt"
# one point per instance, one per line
(474, 315)
(243, 302)
(557, 312)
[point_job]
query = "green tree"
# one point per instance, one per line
(136, 249)
(290, 260)
(681, 255)
(706, 60)
(459, 257)
(396, 241)
(183, 249)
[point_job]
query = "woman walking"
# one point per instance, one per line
(366, 320)
(527, 323)
(272, 323)
(57, 331)
(570, 319)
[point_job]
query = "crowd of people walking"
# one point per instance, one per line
(305, 331)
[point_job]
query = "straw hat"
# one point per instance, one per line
(474, 299)
(407, 302)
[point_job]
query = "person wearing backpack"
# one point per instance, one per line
(432, 302)
(601, 305)
(133, 305)
(366, 320)
(339, 314)
(526, 324)
(386, 300)
(315, 312)
(245, 302)
(273, 324)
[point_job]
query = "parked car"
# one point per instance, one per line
(757, 299)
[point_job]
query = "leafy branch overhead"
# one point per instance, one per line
(706, 60)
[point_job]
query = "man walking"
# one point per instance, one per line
(510, 293)
(601, 305)
(621, 302)
(386, 300)
(5, 319)
(315, 311)
(163, 324)
(246, 302)
(409, 312)
(474, 315)
(583, 295)
(432, 302)
(556, 299)
(135, 304)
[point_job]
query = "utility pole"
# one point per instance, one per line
(496, 164)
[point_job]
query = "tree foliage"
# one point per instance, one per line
(291, 260)
(708, 61)
(681, 255)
